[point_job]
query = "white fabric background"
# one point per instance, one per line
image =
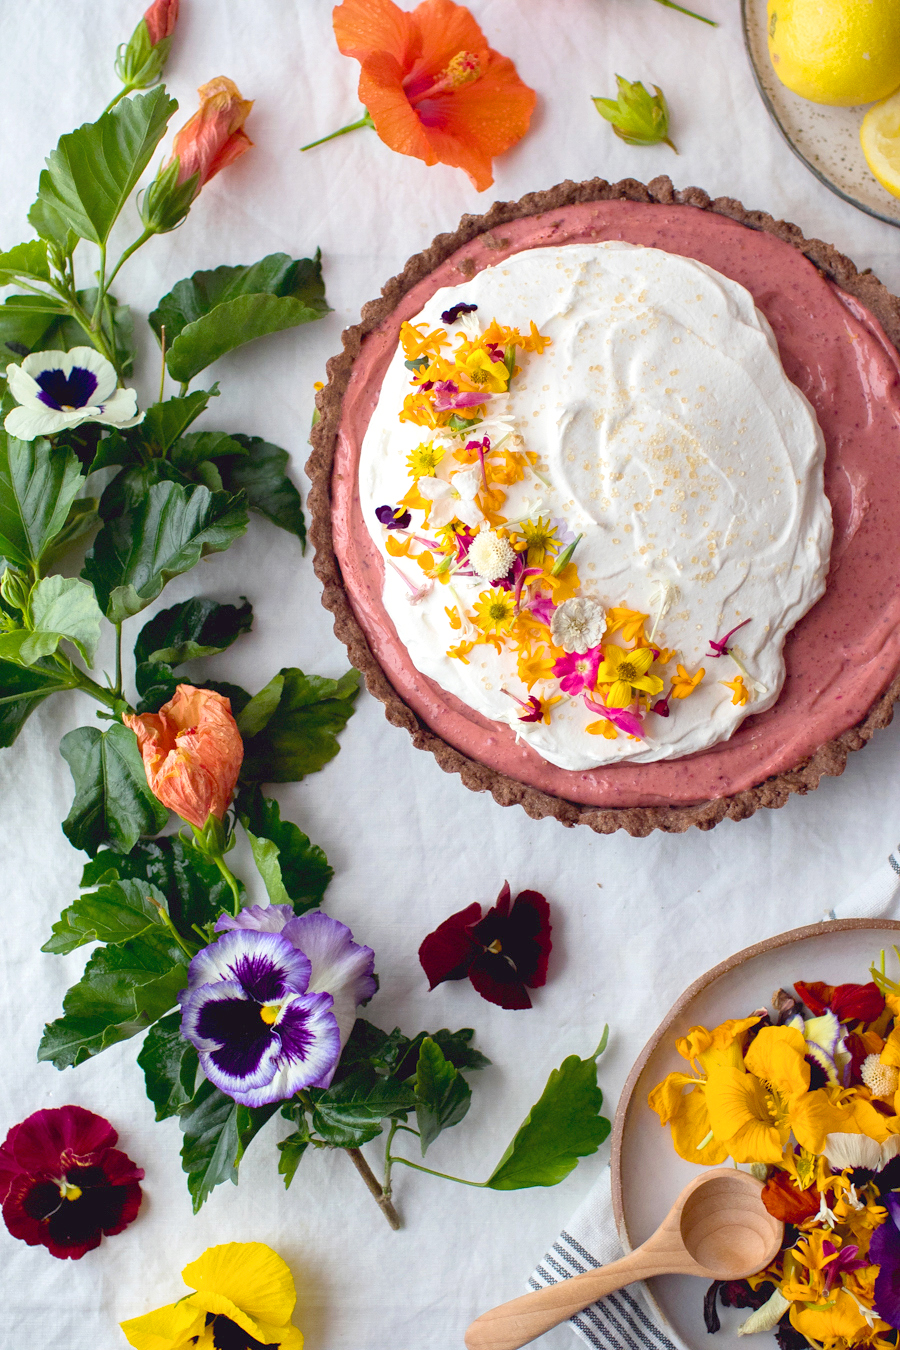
(634, 920)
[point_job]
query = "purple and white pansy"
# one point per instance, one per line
(270, 1005)
(60, 390)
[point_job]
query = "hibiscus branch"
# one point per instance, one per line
(381, 1198)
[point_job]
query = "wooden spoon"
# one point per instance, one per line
(717, 1228)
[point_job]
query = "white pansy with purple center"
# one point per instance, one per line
(60, 390)
(260, 1033)
(338, 965)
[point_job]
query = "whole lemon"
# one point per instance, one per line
(836, 51)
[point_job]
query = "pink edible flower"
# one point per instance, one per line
(626, 721)
(448, 397)
(720, 646)
(577, 671)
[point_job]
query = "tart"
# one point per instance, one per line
(836, 331)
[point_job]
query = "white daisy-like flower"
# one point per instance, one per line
(577, 625)
(491, 555)
(59, 390)
(453, 500)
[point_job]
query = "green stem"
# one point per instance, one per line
(77, 679)
(118, 98)
(670, 4)
(431, 1172)
(101, 292)
(184, 388)
(119, 660)
(132, 248)
(388, 1160)
(365, 121)
(34, 693)
(189, 950)
(231, 880)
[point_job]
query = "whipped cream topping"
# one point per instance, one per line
(670, 437)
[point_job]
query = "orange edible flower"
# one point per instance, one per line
(683, 684)
(432, 86)
(214, 137)
(740, 694)
(192, 753)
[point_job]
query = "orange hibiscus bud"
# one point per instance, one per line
(214, 137)
(161, 19)
(432, 86)
(192, 753)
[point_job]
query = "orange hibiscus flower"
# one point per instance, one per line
(432, 86)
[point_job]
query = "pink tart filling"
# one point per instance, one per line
(840, 657)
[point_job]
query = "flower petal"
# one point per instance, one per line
(165, 1328)
(266, 965)
(257, 918)
(310, 1049)
(340, 966)
(364, 26)
(250, 1274)
(496, 980)
(447, 953)
(238, 1050)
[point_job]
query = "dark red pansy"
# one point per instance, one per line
(848, 1002)
(501, 953)
(62, 1183)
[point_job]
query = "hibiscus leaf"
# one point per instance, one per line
(37, 488)
(276, 275)
(192, 451)
(62, 609)
(563, 1126)
(113, 913)
(157, 684)
(113, 802)
(127, 490)
(291, 1150)
(123, 990)
(350, 1112)
(21, 690)
(168, 533)
(210, 1149)
(83, 517)
(453, 1045)
(260, 472)
(230, 325)
(170, 1065)
(442, 1094)
(299, 735)
(193, 628)
(93, 170)
(25, 260)
(24, 319)
(194, 888)
(250, 1120)
(295, 871)
(164, 422)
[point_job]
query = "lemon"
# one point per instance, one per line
(880, 139)
(836, 51)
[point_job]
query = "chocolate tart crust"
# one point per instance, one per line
(830, 759)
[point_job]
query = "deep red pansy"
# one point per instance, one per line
(848, 1002)
(501, 953)
(62, 1183)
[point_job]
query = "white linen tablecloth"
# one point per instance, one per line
(634, 920)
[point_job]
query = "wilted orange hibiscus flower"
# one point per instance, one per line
(192, 753)
(214, 137)
(431, 85)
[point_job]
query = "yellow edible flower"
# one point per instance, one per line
(415, 343)
(683, 684)
(627, 673)
(478, 369)
(839, 1320)
(686, 1114)
(778, 1057)
(495, 611)
(723, 1045)
(423, 461)
(540, 539)
(740, 694)
(240, 1285)
(745, 1117)
(628, 622)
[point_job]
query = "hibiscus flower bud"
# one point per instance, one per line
(161, 19)
(213, 138)
(192, 753)
(141, 60)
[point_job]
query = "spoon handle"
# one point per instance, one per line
(523, 1319)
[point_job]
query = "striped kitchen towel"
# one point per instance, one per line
(625, 1320)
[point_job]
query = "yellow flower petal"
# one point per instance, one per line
(840, 1319)
(740, 1117)
(251, 1275)
(166, 1328)
(778, 1056)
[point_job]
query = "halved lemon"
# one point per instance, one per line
(880, 139)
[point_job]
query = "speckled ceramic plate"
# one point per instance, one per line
(647, 1173)
(826, 139)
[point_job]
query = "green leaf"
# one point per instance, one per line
(53, 229)
(291, 1150)
(637, 117)
(128, 490)
(24, 688)
(192, 629)
(209, 1152)
(164, 422)
(93, 170)
(25, 260)
(24, 319)
(350, 1113)
(211, 313)
(37, 488)
(113, 913)
(260, 472)
(442, 1094)
(82, 519)
(124, 989)
(62, 608)
(563, 1126)
(250, 1120)
(194, 888)
(113, 802)
(299, 735)
(168, 533)
(170, 1066)
(295, 871)
(191, 451)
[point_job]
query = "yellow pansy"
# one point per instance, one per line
(724, 1044)
(743, 1115)
(686, 1114)
(778, 1057)
(245, 1284)
(838, 1320)
(481, 371)
(627, 673)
